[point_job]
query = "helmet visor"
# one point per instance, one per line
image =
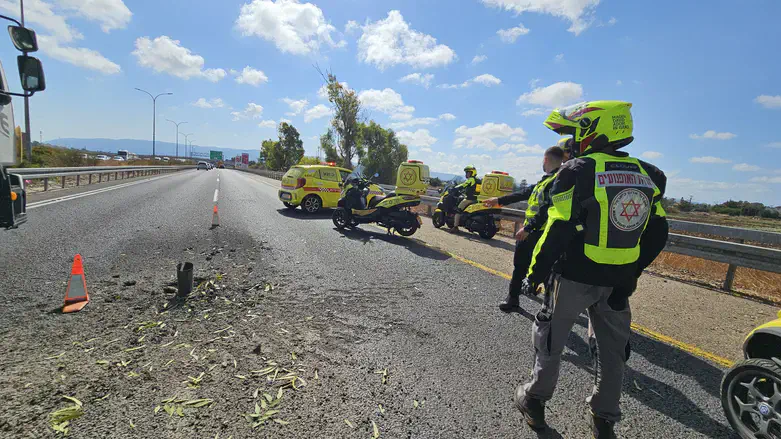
(573, 112)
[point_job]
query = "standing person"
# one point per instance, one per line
(534, 222)
(469, 188)
(607, 221)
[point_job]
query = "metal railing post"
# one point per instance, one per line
(45, 184)
(78, 180)
(63, 181)
(730, 279)
(90, 179)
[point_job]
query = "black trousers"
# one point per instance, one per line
(521, 260)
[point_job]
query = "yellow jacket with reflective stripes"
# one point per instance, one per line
(606, 219)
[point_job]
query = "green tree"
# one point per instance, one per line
(345, 121)
(290, 144)
(271, 155)
(306, 160)
(435, 182)
(328, 145)
(384, 152)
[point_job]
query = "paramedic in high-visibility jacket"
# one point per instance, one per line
(607, 225)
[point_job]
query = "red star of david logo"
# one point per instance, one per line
(628, 213)
(489, 187)
(408, 176)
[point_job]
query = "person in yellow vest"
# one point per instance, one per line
(607, 223)
(469, 190)
(534, 221)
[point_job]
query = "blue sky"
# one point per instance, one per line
(461, 81)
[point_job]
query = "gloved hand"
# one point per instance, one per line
(530, 289)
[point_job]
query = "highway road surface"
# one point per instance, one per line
(385, 330)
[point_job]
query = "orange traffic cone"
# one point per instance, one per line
(76, 296)
(215, 218)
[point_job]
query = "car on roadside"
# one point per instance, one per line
(103, 157)
(202, 165)
(314, 187)
(166, 159)
(118, 158)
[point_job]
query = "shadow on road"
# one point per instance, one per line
(496, 243)
(324, 214)
(366, 236)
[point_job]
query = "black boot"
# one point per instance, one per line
(510, 303)
(602, 428)
(533, 409)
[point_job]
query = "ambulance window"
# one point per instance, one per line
(329, 174)
(344, 174)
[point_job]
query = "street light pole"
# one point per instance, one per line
(177, 135)
(185, 142)
(154, 115)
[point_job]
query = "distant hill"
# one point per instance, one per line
(144, 147)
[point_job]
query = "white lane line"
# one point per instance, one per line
(86, 194)
(216, 193)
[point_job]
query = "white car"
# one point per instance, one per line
(166, 159)
(103, 157)
(119, 158)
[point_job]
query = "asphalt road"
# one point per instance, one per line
(391, 302)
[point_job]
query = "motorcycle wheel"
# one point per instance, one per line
(489, 231)
(339, 218)
(745, 392)
(408, 230)
(438, 219)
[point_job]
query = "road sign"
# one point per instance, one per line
(215, 155)
(245, 158)
(200, 155)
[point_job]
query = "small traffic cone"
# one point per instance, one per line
(76, 296)
(215, 218)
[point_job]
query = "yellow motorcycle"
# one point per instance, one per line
(392, 211)
(751, 389)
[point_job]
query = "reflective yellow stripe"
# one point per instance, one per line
(660, 209)
(612, 256)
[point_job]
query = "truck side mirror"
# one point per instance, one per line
(24, 39)
(31, 73)
(5, 99)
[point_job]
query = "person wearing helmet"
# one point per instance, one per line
(469, 191)
(607, 222)
(534, 222)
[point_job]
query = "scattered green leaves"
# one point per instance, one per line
(384, 374)
(376, 430)
(194, 382)
(349, 424)
(55, 357)
(60, 419)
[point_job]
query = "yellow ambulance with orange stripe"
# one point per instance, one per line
(314, 187)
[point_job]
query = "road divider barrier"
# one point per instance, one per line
(76, 296)
(78, 174)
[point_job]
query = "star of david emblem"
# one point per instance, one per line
(628, 213)
(408, 176)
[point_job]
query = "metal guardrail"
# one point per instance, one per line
(734, 254)
(120, 172)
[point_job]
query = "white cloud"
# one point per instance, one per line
(745, 167)
(423, 79)
(768, 101)
(418, 138)
(710, 160)
(554, 95)
(165, 55)
(297, 28)
(414, 122)
(535, 112)
(250, 76)
(651, 155)
(213, 103)
(484, 79)
(111, 14)
(317, 112)
(386, 43)
(447, 116)
(578, 12)
(387, 101)
(710, 134)
(42, 14)
(268, 124)
(401, 116)
(612, 21)
(619, 83)
(512, 34)
(774, 145)
(483, 136)
(478, 59)
(559, 57)
(78, 56)
(252, 110)
(351, 27)
(296, 107)
(766, 180)
(288, 121)
(713, 191)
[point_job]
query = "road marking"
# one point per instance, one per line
(650, 333)
(216, 192)
(86, 194)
